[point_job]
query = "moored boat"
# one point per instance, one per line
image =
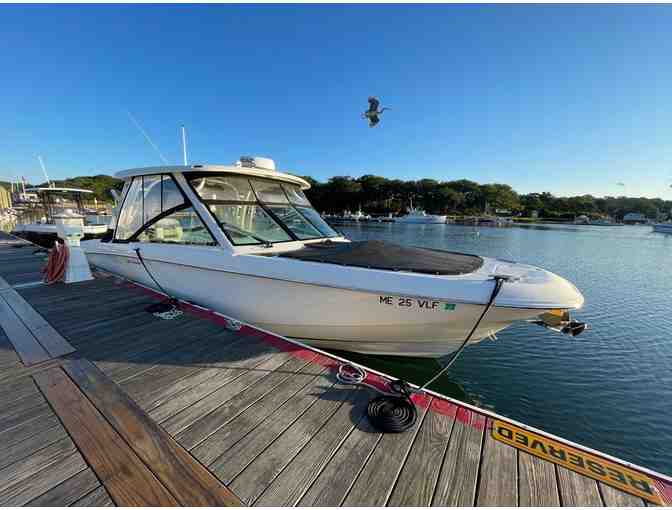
(663, 228)
(66, 205)
(244, 240)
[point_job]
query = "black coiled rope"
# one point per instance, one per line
(393, 413)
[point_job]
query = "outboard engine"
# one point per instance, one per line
(561, 322)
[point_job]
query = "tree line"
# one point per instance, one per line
(381, 196)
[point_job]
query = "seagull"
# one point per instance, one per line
(373, 114)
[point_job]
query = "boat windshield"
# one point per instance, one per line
(250, 210)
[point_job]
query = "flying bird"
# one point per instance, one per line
(373, 114)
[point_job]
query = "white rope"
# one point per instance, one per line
(169, 315)
(350, 374)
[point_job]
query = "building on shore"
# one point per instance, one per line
(633, 218)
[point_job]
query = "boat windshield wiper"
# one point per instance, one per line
(265, 242)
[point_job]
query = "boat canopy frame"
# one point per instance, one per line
(186, 204)
(51, 208)
(265, 205)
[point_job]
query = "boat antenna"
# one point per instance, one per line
(44, 171)
(149, 140)
(184, 145)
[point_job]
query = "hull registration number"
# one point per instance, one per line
(422, 304)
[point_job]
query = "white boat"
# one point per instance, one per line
(419, 216)
(63, 203)
(663, 228)
(245, 241)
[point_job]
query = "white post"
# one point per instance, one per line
(184, 145)
(72, 231)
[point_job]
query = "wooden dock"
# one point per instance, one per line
(102, 403)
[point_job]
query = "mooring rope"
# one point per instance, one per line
(167, 310)
(394, 411)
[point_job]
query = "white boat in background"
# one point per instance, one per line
(67, 205)
(245, 241)
(663, 228)
(418, 216)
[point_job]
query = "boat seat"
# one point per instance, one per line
(388, 256)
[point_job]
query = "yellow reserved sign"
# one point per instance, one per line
(605, 471)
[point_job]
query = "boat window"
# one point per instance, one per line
(171, 195)
(223, 187)
(314, 217)
(295, 195)
(148, 197)
(248, 218)
(151, 207)
(269, 191)
(181, 227)
(295, 222)
(130, 219)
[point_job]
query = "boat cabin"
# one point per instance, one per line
(245, 207)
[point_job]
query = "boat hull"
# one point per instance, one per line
(422, 220)
(663, 228)
(45, 235)
(323, 316)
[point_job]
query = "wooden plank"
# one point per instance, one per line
(576, 489)
(159, 381)
(44, 480)
(96, 498)
(459, 473)
(201, 384)
(242, 414)
(304, 414)
(128, 480)
(69, 491)
(38, 422)
(37, 441)
(538, 483)
(193, 424)
(499, 473)
(22, 372)
(27, 467)
(25, 344)
(296, 474)
(332, 484)
(15, 390)
(379, 475)
(186, 479)
(418, 477)
(134, 360)
(21, 411)
(46, 335)
(613, 497)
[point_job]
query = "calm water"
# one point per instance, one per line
(611, 387)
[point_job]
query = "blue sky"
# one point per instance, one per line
(567, 99)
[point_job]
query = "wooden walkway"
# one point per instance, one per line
(125, 408)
